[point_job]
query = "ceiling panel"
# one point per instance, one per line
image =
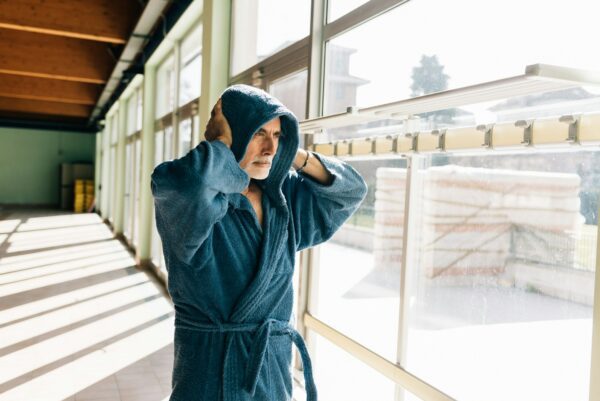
(41, 107)
(101, 20)
(57, 55)
(48, 89)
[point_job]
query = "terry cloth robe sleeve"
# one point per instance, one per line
(319, 210)
(190, 195)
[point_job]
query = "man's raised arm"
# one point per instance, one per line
(190, 193)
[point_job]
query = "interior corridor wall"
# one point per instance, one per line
(30, 161)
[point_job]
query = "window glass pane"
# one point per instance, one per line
(502, 279)
(196, 130)
(291, 90)
(140, 103)
(165, 87)
(128, 184)
(132, 105)
(136, 191)
(158, 147)
(191, 66)
(359, 268)
(340, 376)
(337, 8)
(156, 244)
(111, 182)
(158, 158)
(185, 136)
(440, 58)
(168, 149)
(263, 27)
(114, 128)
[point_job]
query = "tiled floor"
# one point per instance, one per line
(78, 321)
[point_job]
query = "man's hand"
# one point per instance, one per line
(218, 128)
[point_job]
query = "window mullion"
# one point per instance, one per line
(595, 357)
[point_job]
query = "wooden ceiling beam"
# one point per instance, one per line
(9, 105)
(43, 56)
(99, 20)
(53, 90)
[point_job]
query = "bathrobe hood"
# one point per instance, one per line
(247, 109)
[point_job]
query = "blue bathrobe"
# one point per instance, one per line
(231, 279)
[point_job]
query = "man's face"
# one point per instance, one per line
(261, 150)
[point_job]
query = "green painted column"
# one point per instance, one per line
(147, 166)
(119, 187)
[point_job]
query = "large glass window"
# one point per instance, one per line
(499, 279)
(263, 27)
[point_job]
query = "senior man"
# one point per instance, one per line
(232, 214)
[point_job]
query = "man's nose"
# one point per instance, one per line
(268, 146)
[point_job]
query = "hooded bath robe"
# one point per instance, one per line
(231, 279)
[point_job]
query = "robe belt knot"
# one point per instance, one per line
(263, 331)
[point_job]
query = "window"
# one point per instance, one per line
(502, 288)
(114, 137)
(140, 105)
(419, 59)
(191, 66)
(127, 212)
(263, 27)
(132, 107)
(291, 91)
(165, 87)
(185, 136)
(137, 163)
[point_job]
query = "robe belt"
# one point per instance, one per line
(258, 350)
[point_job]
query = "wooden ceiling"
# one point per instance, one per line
(57, 55)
